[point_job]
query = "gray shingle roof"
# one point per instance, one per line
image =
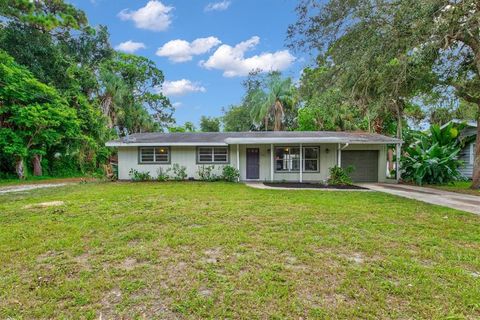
(199, 138)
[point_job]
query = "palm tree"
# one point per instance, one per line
(113, 90)
(278, 95)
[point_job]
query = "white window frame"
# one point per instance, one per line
(155, 161)
(303, 159)
(213, 156)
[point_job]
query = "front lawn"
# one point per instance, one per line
(218, 250)
(458, 186)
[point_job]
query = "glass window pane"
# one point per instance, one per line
(311, 165)
(311, 153)
(146, 155)
(161, 154)
(205, 154)
(220, 154)
(295, 165)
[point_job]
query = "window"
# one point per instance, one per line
(212, 155)
(154, 155)
(287, 159)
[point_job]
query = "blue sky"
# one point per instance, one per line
(231, 37)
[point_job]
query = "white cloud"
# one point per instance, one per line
(154, 16)
(233, 62)
(181, 87)
(181, 50)
(218, 6)
(130, 46)
(176, 104)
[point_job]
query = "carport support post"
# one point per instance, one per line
(301, 164)
(339, 155)
(271, 162)
(238, 161)
(397, 161)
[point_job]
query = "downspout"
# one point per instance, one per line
(339, 153)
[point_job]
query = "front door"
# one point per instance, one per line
(253, 163)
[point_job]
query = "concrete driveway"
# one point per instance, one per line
(448, 199)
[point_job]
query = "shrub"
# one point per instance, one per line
(179, 172)
(432, 157)
(139, 175)
(340, 176)
(230, 174)
(206, 173)
(162, 174)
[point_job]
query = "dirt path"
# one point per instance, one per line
(28, 187)
(40, 184)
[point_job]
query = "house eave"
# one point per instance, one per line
(164, 144)
(304, 140)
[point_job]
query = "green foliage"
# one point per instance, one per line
(163, 174)
(209, 124)
(237, 119)
(270, 97)
(137, 175)
(179, 172)
(340, 176)
(33, 117)
(99, 87)
(44, 15)
(432, 157)
(230, 174)
(187, 127)
(206, 173)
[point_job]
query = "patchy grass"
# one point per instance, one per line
(459, 187)
(44, 180)
(218, 250)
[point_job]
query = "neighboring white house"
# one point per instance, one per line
(467, 155)
(259, 156)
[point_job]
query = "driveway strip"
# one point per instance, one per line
(448, 199)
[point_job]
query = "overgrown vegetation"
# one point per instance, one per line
(432, 157)
(137, 175)
(179, 172)
(63, 89)
(340, 176)
(206, 173)
(230, 174)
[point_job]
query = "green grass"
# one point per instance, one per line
(218, 250)
(459, 187)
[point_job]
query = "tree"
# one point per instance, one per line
(143, 81)
(270, 98)
(209, 124)
(237, 119)
(410, 46)
(33, 116)
(46, 16)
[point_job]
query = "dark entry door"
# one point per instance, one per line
(253, 163)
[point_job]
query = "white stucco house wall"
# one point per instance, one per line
(259, 156)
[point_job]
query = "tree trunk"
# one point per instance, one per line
(37, 165)
(390, 160)
(278, 113)
(266, 122)
(399, 120)
(476, 161)
(19, 169)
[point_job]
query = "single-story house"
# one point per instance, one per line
(467, 155)
(259, 156)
